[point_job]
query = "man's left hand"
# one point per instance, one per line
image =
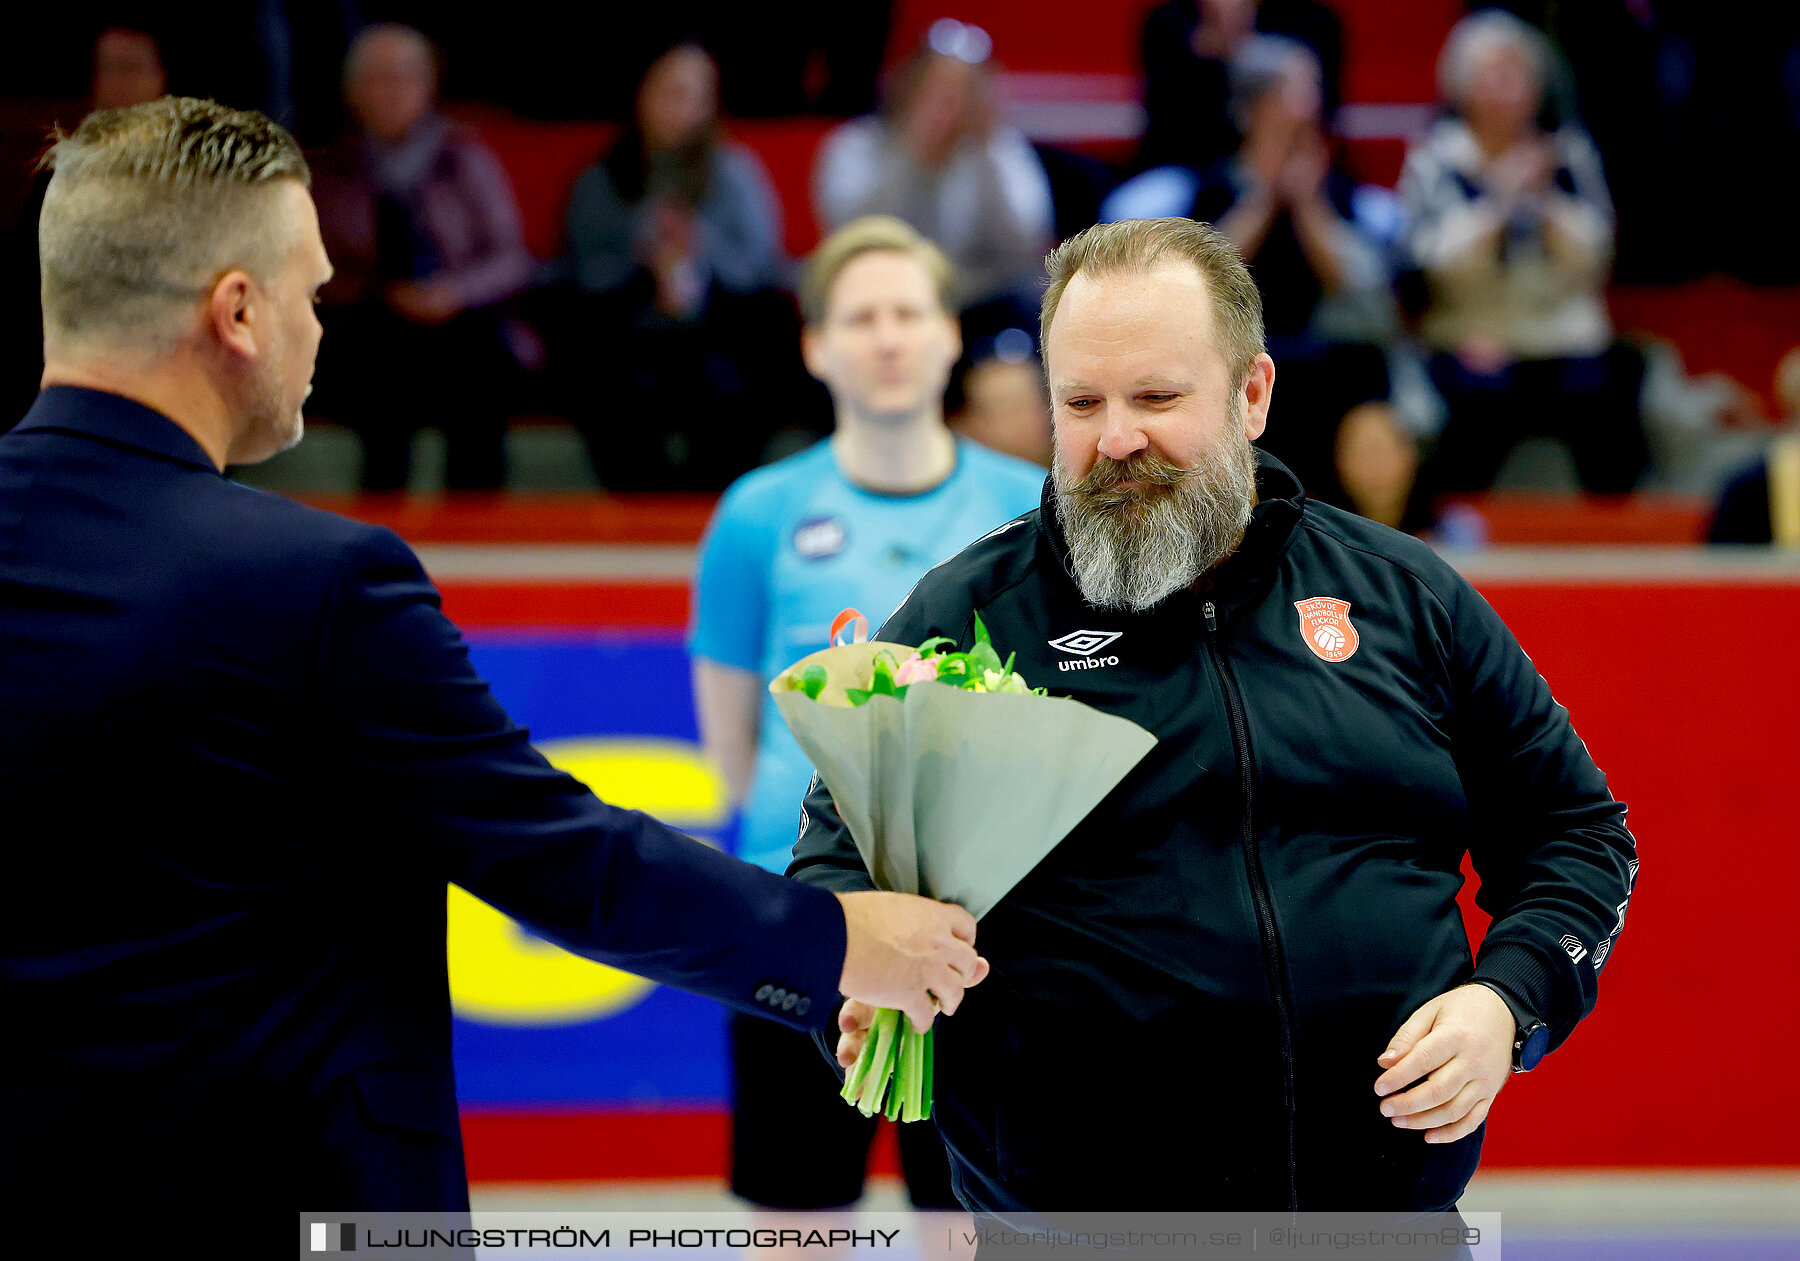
(1461, 1044)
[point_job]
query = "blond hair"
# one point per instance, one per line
(148, 207)
(1137, 245)
(861, 236)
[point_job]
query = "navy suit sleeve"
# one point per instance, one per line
(426, 754)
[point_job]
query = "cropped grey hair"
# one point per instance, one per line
(1479, 29)
(148, 207)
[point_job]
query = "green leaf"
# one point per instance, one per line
(930, 645)
(1006, 670)
(982, 656)
(813, 680)
(858, 695)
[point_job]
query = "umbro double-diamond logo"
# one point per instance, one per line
(1082, 645)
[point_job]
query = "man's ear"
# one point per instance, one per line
(956, 341)
(231, 313)
(809, 351)
(1259, 388)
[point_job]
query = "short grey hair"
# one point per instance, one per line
(1139, 245)
(1258, 67)
(148, 207)
(1480, 30)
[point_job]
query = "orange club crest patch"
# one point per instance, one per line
(1326, 627)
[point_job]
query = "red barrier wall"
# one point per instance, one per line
(1687, 694)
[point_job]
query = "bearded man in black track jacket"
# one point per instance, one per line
(1244, 982)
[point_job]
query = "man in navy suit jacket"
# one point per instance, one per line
(242, 752)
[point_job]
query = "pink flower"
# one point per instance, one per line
(916, 669)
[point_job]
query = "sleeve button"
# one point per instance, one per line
(762, 994)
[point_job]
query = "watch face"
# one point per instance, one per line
(1535, 1044)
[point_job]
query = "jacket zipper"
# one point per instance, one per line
(1274, 964)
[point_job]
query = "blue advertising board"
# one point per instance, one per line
(536, 1025)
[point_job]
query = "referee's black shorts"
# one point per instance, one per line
(795, 1143)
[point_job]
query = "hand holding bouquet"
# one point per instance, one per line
(911, 742)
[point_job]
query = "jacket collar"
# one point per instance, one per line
(115, 420)
(1246, 572)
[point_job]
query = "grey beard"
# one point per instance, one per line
(1132, 550)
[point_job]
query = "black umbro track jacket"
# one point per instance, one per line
(1188, 994)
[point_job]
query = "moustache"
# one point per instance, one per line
(1141, 475)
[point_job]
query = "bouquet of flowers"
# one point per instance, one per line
(912, 742)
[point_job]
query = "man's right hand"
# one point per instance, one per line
(908, 953)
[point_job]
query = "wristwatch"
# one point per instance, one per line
(1531, 1039)
(1529, 1046)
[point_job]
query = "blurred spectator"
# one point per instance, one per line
(276, 56)
(681, 332)
(126, 69)
(997, 397)
(1324, 283)
(1512, 230)
(1376, 467)
(1761, 502)
(421, 225)
(1187, 46)
(939, 157)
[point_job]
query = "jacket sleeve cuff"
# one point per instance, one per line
(1518, 974)
(832, 933)
(803, 995)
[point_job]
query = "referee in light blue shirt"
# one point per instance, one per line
(853, 522)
